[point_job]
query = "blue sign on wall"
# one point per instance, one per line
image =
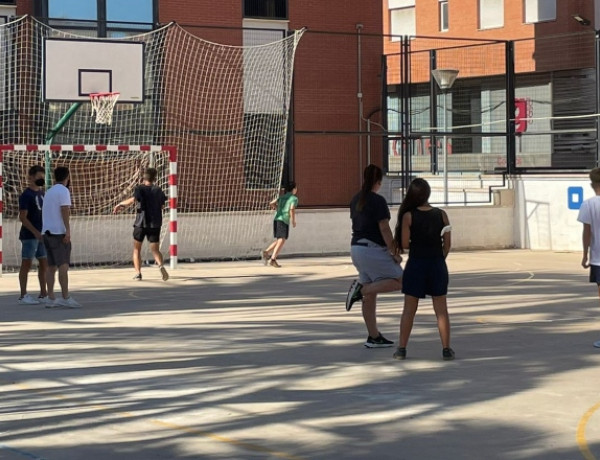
(574, 197)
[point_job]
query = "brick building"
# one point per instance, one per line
(554, 75)
(325, 155)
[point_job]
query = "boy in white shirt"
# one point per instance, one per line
(56, 229)
(589, 216)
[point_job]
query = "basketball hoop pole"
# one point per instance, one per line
(50, 137)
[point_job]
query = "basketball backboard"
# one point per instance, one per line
(75, 68)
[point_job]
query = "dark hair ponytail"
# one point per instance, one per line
(417, 195)
(371, 176)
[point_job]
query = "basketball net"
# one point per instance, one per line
(103, 105)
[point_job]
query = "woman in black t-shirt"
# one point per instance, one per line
(424, 231)
(372, 250)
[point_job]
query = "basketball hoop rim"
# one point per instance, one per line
(96, 95)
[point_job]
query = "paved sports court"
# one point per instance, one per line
(239, 361)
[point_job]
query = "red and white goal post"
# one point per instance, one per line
(101, 176)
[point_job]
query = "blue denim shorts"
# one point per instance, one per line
(32, 249)
(374, 263)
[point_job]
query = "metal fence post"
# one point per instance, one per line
(597, 69)
(433, 118)
(405, 118)
(511, 144)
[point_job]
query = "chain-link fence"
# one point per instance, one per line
(462, 112)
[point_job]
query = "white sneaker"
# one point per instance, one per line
(69, 302)
(52, 303)
(27, 300)
(59, 302)
(44, 300)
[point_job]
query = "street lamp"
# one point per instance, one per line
(445, 79)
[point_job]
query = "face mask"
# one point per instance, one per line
(39, 182)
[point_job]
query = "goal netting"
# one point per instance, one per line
(224, 107)
(101, 177)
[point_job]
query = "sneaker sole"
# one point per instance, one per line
(63, 307)
(164, 274)
(349, 295)
(379, 345)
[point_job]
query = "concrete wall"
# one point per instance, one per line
(328, 231)
(542, 215)
(533, 214)
(319, 232)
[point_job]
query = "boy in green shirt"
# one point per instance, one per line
(285, 207)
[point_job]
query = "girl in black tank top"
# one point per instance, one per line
(419, 229)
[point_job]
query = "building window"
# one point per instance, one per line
(491, 14)
(443, 15)
(540, 10)
(402, 18)
(266, 9)
(101, 18)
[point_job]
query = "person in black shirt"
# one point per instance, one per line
(32, 245)
(424, 231)
(373, 253)
(149, 202)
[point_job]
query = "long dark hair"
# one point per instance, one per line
(417, 195)
(371, 176)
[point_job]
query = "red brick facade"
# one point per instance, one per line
(327, 167)
(532, 52)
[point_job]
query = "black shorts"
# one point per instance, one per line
(595, 274)
(152, 234)
(425, 276)
(281, 229)
(58, 252)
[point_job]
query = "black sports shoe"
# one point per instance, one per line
(354, 294)
(400, 353)
(448, 354)
(378, 342)
(138, 277)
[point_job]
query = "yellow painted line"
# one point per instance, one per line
(580, 436)
(173, 426)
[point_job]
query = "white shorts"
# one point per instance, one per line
(374, 262)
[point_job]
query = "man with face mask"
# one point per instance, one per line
(32, 246)
(56, 230)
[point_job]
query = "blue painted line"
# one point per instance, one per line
(21, 452)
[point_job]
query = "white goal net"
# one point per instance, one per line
(225, 108)
(101, 177)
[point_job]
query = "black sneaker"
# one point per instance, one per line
(354, 294)
(400, 353)
(378, 342)
(448, 354)
(138, 277)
